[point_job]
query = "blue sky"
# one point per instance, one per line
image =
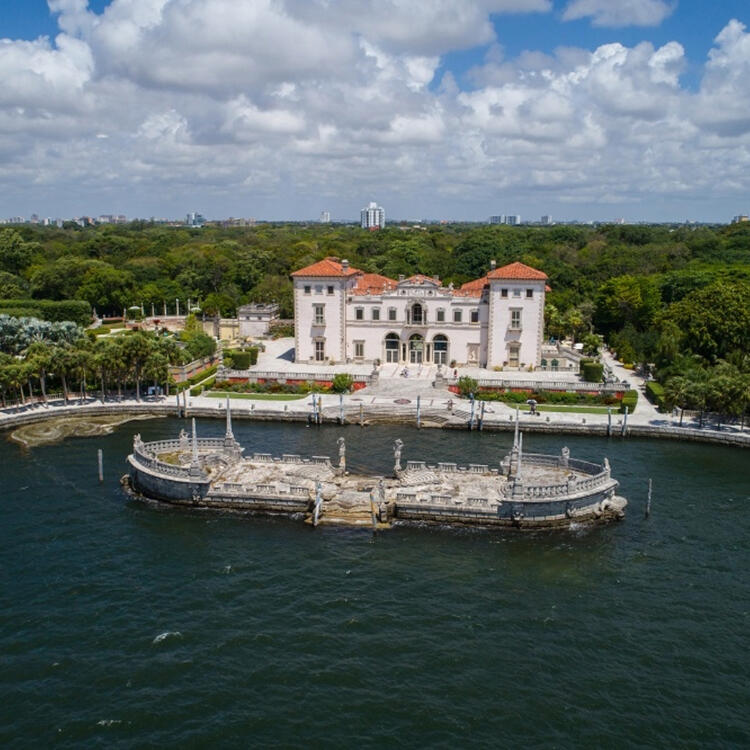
(281, 110)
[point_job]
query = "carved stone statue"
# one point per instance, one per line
(606, 465)
(397, 447)
(342, 454)
(184, 441)
(565, 456)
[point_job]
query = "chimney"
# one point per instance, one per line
(344, 265)
(436, 278)
(401, 277)
(493, 264)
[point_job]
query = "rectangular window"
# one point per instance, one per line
(359, 313)
(529, 293)
(320, 351)
(307, 289)
(515, 319)
(376, 313)
(359, 349)
(441, 315)
(503, 292)
(330, 290)
(457, 316)
(391, 313)
(475, 316)
(319, 315)
(516, 292)
(318, 289)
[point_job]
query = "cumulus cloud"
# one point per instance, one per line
(153, 102)
(618, 13)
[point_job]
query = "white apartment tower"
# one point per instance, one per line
(372, 217)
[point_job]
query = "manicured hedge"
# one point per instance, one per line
(241, 359)
(78, 311)
(655, 393)
(198, 389)
(630, 399)
(548, 397)
(197, 378)
(592, 371)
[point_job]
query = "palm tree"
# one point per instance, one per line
(62, 358)
(676, 392)
(137, 349)
(39, 356)
(113, 361)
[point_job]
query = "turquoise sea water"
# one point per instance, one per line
(122, 625)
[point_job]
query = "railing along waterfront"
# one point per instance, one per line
(281, 375)
(546, 385)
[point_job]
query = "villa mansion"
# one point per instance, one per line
(342, 314)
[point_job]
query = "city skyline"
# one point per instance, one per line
(578, 109)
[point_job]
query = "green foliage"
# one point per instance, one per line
(629, 401)
(204, 386)
(12, 286)
(192, 328)
(201, 345)
(655, 393)
(467, 385)
(241, 359)
(15, 253)
(75, 311)
(714, 321)
(280, 330)
(342, 383)
(570, 398)
(591, 371)
(626, 300)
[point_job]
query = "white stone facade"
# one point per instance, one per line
(345, 315)
(255, 319)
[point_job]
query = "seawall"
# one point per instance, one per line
(391, 416)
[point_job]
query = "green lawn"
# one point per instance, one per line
(258, 396)
(575, 409)
(105, 330)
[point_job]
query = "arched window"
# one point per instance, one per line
(416, 349)
(392, 346)
(440, 349)
(544, 363)
(417, 314)
(555, 365)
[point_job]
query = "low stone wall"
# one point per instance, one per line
(165, 408)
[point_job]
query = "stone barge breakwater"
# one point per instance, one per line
(525, 491)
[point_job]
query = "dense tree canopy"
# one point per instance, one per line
(660, 294)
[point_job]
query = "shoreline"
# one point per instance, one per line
(383, 414)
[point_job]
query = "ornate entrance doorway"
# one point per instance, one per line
(440, 349)
(391, 348)
(416, 349)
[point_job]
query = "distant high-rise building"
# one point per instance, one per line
(546, 220)
(372, 217)
(325, 217)
(512, 219)
(194, 219)
(741, 218)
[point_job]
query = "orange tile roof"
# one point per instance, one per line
(471, 288)
(517, 271)
(327, 267)
(373, 283)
